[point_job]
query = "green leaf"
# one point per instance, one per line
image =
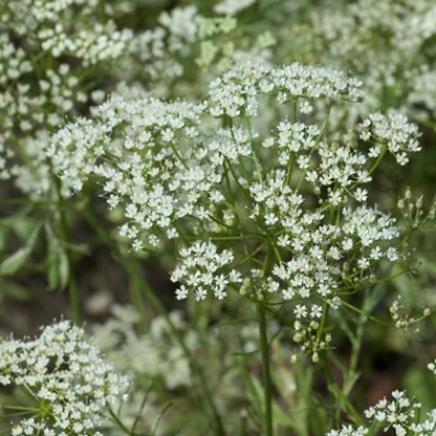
(14, 262)
(14, 290)
(281, 419)
(254, 388)
(300, 413)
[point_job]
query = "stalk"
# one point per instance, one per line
(265, 352)
(73, 297)
(73, 294)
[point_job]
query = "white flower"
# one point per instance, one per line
(203, 269)
(231, 7)
(61, 368)
(348, 430)
(432, 367)
(393, 131)
(238, 90)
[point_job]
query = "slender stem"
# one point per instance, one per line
(177, 154)
(256, 159)
(73, 297)
(325, 314)
(361, 312)
(294, 114)
(137, 300)
(73, 294)
(118, 421)
(232, 171)
(356, 347)
(290, 168)
(379, 159)
(265, 352)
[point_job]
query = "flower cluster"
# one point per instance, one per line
(332, 166)
(22, 100)
(395, 413)
(348, 430)
(427, 427)
(399, 415)
(351, 39)
(297, 80)
(66, 376)
(325, 258)
(423, 92)
(159, 53)
(232, 7)
(204, 271)
(238, 90)
(213, 169)
(52, 63)
(154, 172)
(51, 27)
(394, 132)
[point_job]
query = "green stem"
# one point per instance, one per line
(256, 159)
(377, 162)
(137, 300)
(361, 312)
(73, 294)
(119, 422)
(73, 297)
(265, 352)
(325, 314)
(294, 115)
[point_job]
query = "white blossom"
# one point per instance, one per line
(203, 270)
(393, 131)
(61, 369)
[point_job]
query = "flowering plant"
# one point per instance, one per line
(258, 182)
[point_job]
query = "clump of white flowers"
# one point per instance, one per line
(153, 184)
(238, 91)
(393, 131)
(395, 413)
(401, 415)
(67, 378)
(349, 430)
(351, 39)
(291, 191)
(52, 62)
(231, 7)
(50, 26)
(203, 271)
